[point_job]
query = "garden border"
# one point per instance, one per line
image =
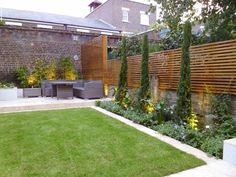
(173, 142)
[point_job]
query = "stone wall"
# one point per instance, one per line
(22, 46)
(200, 101)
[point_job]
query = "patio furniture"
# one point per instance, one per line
(88, 89)
(46, 88)
(63, 88)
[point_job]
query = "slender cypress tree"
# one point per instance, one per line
(123, 72)
(184, 105)
(144, 92)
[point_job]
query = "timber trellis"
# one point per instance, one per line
(213, 68)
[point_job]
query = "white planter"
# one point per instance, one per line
(19, 93)
(229, 153)
(7, 94)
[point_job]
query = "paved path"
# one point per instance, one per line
(213, 168)
(42, 103)
(216, 169)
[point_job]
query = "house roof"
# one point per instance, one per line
(55, 19)
(102, 4)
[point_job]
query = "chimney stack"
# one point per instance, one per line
(93, 5)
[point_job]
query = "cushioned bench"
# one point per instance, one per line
(88, 89)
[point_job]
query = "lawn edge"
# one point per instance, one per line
(173, 142)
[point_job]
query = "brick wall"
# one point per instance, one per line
(22, 46)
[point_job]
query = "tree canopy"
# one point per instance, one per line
(218, 16)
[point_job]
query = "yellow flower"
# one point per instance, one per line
(149, 107)
(70, 75)
(31, 80)
(192, 121)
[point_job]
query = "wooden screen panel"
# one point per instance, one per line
(213, 68)
(94, 59)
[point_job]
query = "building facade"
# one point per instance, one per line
(127, 15)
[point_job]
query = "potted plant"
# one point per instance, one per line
(21, 78)
(8, 91)
(34, 90)
(31, 81)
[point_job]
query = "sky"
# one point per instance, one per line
(78, 8)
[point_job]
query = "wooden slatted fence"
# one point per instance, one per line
(213, 68)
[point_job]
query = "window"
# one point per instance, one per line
(44, 26)
(144, 18)
(13, 23)
(106, 33)
(82, 30)
(75, 37)
(125, 14)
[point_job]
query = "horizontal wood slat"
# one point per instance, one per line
(94, 59)
(213, 68)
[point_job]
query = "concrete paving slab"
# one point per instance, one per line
(43, 103)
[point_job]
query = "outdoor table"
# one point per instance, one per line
(62, 89)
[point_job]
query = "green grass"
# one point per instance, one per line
(82, 143)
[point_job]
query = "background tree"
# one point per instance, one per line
(133, 47)
(219, 17)
(184, 105)
(144, 92)
(174, 11)
(122, 87)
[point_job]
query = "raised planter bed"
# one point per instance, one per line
(31, 92)
(7, 94)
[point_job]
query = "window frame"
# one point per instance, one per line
(146, 18)
(125, 10)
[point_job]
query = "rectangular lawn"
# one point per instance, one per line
(82, 143)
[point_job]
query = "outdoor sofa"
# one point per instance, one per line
(88, 89)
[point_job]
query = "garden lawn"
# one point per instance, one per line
(82, 143)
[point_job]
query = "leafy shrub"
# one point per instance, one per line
(160, 109)
(209, 139)
(112, 107)
(6, 85)
(38, 73)
(133, 45)
(67, 69)
(155, 47)
(149, 106)
(213, 145)
(2, 22)
(32, 80)
(221, 106)
(172, 40)
(21, 76)
(51, 71)
(98, 103)
(129, 113)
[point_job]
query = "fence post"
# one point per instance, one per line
(104, 60)
(154, 87)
